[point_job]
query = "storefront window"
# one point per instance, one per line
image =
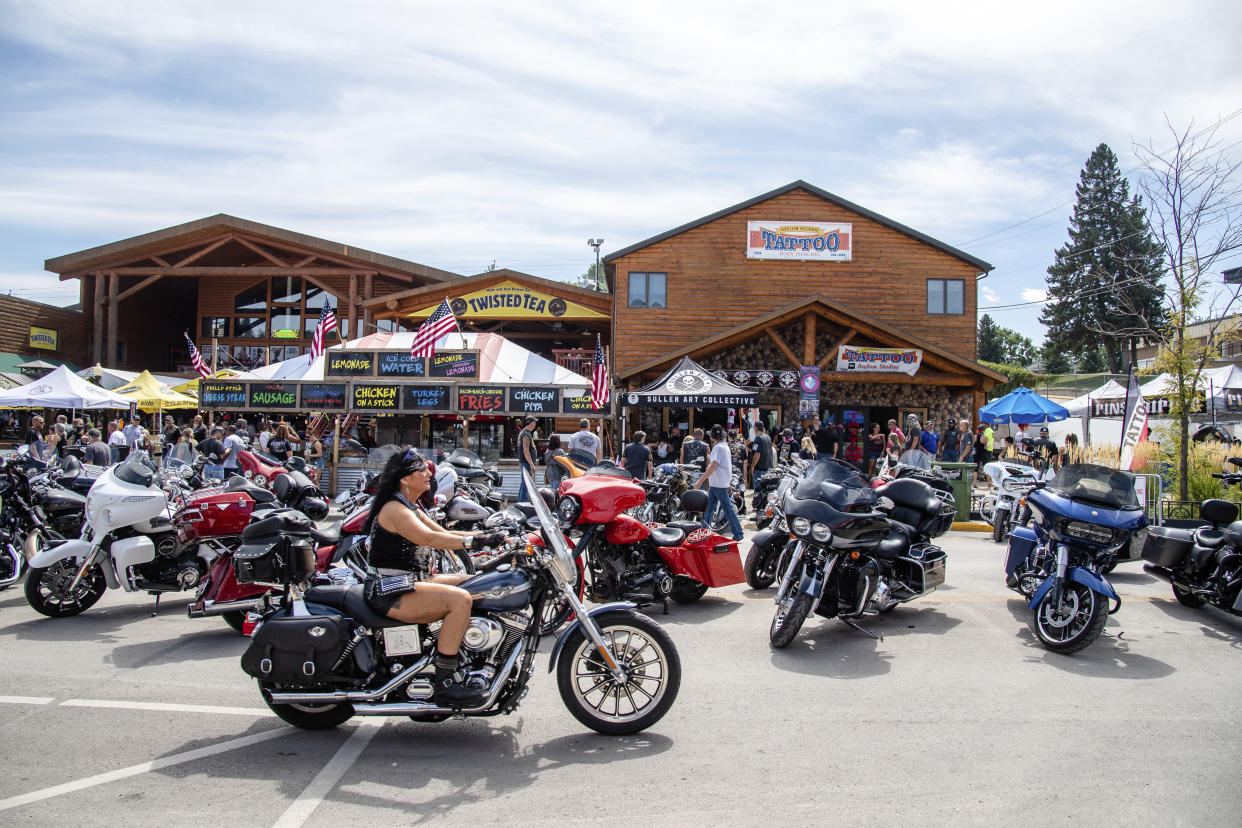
(250, 356)
(647, 290)
(945, 296)
(214, 326)
(250, 327)
(251, 299)
(316, 297)
(287, 289)
(286, 323)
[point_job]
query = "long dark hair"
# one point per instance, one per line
(399, 465)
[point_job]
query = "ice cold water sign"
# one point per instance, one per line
(401, 365)
(369, 397)
(526, 400)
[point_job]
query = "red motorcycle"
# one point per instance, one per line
(216, 517)
(626, 560)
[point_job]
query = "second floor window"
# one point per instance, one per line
(946, 296)
(646, 290)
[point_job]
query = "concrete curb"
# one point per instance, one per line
(971, 526)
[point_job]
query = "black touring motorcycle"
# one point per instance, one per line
(857, 550)
(323, 656)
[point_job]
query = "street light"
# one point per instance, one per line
(596, 243)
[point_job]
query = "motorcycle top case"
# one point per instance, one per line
(214, 514)
(297, 650)
(706, 557)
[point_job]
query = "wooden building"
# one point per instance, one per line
(34, 331)
(771, 289)
(256, 290)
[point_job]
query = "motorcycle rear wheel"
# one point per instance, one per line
(652, 669)
(1077, 625)
(790, 615)
(1000, 525)
(1187, 598)
(308, 716)
(236, 620)
(46, 589)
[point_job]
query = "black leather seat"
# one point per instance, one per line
(348, 598)
(326, 537)
(256, 493)
(895, 542)
(686, 526)
(667, 535)
(914, 503)
(286, 521)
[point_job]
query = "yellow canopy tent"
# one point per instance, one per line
(153, 396)
(191, 387)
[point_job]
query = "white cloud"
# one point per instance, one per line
(988, 294)
(1034, 295)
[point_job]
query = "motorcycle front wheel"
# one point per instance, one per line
(791, 613)
(1000, 525)
(47, 589)
(650, 664)
(760, 566)
(454, 562)
(1075, 623)
(308, 716)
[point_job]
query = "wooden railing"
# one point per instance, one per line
(579, 360)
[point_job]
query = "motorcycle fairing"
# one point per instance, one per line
(1083, 576)
(1022, 542)
(59, 550)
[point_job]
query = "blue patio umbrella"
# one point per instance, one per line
(1022, 405)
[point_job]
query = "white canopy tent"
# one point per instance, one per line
(1111, 390)
(110, 378)
(62, 389)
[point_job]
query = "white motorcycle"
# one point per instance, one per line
(1005, 506)
(128, 542)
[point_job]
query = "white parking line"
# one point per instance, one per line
(323, 783)
(119, 704)
(144, 767)
(26, 699)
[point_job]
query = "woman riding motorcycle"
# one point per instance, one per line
(403, 587)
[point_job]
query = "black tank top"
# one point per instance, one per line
(392, 551)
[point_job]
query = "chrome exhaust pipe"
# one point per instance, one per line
(18, 564)
(203, 609)
(359, 700)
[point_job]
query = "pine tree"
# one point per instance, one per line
(1103, 285)
(989, 347)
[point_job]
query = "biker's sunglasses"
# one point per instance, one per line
(415, 459)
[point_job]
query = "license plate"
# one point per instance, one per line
(402, 640)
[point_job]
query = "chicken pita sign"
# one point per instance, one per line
(799, 240)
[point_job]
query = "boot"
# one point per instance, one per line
(452, 688)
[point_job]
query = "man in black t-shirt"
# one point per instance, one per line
(96, 452)
(1046, 449)
(694, 450)
(763, 458)
(825, 439)
(950, 445)
(637, 457)
(526, 455)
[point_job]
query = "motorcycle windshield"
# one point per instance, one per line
(378, 457)
(137, 470)
(1096, 484)
(838, 484)
(465, 458)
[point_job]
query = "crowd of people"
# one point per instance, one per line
(110, 441)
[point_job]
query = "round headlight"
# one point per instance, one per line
(821, 533)
(800, 526)
(570, 509)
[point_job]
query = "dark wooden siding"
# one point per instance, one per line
(18, 315)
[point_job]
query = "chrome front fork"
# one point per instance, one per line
(593, 633)
(795, 560)
(1062, 565)
(87, 563)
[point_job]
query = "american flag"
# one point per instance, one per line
(436, 326)
(327, 324)
(196, 359)
(599, 378)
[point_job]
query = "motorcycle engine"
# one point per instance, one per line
(181, 572)
(627, 572)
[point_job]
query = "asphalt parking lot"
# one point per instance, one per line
(957, 716)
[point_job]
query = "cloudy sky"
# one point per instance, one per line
(461, 134)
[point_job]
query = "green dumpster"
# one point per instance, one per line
(958, 475)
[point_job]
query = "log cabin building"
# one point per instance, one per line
(256, 290)
(799, 281)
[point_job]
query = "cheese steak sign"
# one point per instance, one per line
(480, 398)
(222, 394)
(369, 397)
(349, 364)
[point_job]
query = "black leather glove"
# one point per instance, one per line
(486, 539)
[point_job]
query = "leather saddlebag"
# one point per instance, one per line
(297, 650)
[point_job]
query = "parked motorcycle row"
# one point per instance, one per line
(835, 544)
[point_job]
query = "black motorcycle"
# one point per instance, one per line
(34, 510)
(323, 656)
(1204, 565)
(857, 551)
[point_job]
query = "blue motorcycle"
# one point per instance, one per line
(1083, 520)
